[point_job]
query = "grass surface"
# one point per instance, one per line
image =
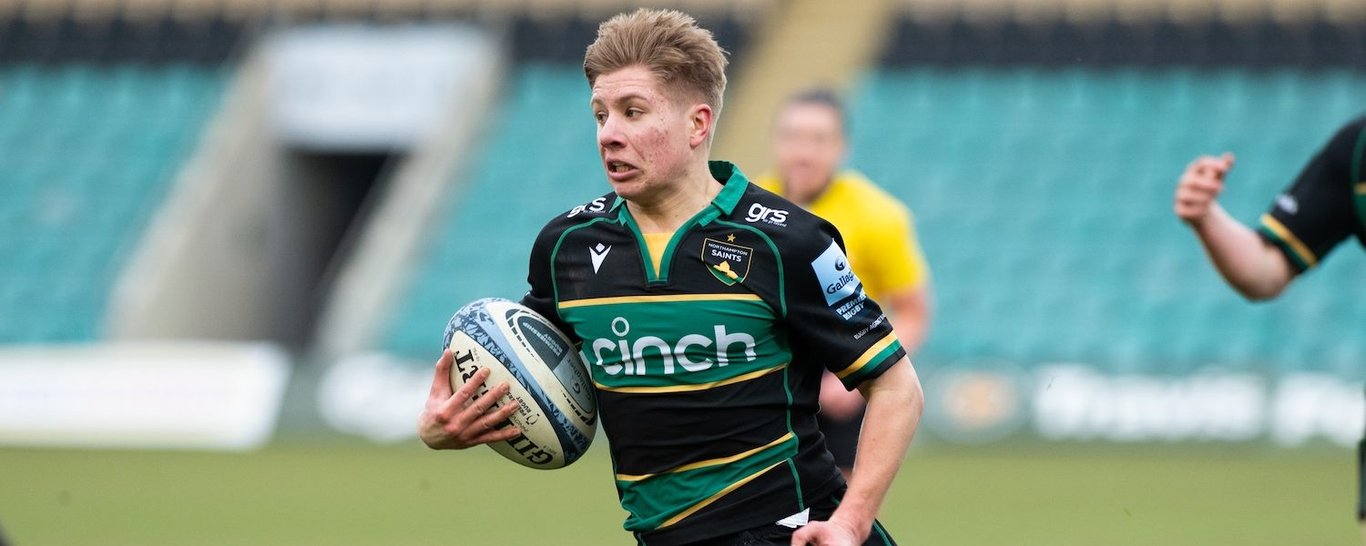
(361, 494)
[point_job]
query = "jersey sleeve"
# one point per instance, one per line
(829, 317)
(540, 276)
(1315, 213)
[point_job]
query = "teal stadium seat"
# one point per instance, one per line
(1043, 201)
(88, 152)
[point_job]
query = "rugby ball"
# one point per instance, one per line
(558, 409)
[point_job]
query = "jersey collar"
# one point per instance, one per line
(735, 183)
(733, 187)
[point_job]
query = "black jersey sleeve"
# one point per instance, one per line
(1316, 212)
(829, 317)
(541, 296)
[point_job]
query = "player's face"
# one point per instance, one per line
(646, 132)
(809, 147)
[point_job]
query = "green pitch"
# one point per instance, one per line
(359, 494)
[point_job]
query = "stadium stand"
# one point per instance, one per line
(1042, 199)
(88, 153)
(1261, 44)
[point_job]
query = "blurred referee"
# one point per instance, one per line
(809, 145)
(1324, 206)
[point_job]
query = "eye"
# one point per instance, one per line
(601, 117)
(633, 112)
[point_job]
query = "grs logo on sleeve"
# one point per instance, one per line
(760, 213)
(596, 205)
(839, 282)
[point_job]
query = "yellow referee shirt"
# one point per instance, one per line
(878, 230)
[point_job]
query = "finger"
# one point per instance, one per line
(441, 383)
(1200, 161)
(1203, 185)
(1229, 159)
(483, 402)
(1194, 197)
(491, 420)
(1194, 201)
(497, 434)
(1210, 166)
(467, 391)
(503, 412)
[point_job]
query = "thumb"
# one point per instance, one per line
(1228, 159)
(441, 382)
(801, 537)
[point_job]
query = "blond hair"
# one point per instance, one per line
(666, 42)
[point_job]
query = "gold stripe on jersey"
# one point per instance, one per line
(704, 502)
(867, 356)
(708, 462)
(616, 300)
(694, 387)
(1306, 255)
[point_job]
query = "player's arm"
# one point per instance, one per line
(1251, 265)
(895, 402)
(850, 335)
(462, 418)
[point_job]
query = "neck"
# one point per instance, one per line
(677, 203)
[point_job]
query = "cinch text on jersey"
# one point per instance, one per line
(635, 355)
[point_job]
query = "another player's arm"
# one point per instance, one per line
(904, 275)
(1251, 265)
(464, 418)
(895, 403)
(910, 315)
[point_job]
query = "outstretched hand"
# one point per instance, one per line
(1200, 186)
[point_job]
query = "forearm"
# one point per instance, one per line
(1251, 266)
(895, 402)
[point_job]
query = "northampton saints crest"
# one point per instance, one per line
(727, 261)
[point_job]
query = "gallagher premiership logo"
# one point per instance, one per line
(843, 290)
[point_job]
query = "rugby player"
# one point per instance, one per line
(1325, 205)
(879, 236)
(727, 320)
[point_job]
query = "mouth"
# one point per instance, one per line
(619, 170)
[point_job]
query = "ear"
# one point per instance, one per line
(701, 123)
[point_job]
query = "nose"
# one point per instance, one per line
(609, 135)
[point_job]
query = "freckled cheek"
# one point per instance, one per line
(654, 144)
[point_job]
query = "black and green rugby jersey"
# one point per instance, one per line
(708, 370)
(1326, 203)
